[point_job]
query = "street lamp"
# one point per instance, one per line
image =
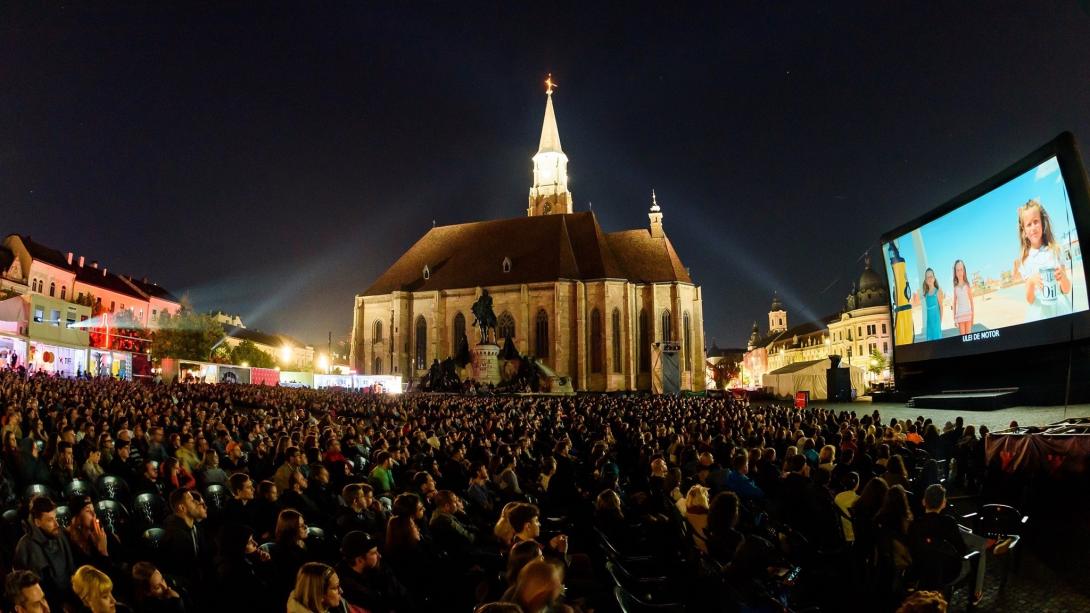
(323, 363)
(285, 355)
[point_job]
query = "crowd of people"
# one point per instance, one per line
(193, 497)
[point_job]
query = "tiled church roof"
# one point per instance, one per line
(541, 248)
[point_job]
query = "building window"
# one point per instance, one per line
(861, 350)
(595, 341)
(458, 331)
(506, 264)
(883, 328)
(541, 339)
(376, 368)
(39, 314)
(70, 320)
(616, 340)
(52, 289)
(376, 331)
(860, 331)
(505, 326)
(113, 306)
(687, 347)
(645, 342)
(667, 332)
(55, 317)
(63, 288)
(885, 347)
(427, 272)
(421, 343)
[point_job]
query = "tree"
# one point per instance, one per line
(725, 371)
(247, 352)
(877, 363)
(186, 335)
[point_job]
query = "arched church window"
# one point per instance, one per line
(595, 341)
(506, 264)
(505, 326)
(376, 368)
(52, 288)
(421, 358)
(686, 331)
(63, 289)
(645, 342)
(427, 272)
(667, 332)
(541, 336)
(376, 331)
(459, 331)
(616, 340)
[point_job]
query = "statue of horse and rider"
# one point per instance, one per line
(484, 317)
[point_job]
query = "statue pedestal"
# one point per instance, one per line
(486, 363)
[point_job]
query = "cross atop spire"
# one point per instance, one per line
(655, 208)
(549, 85)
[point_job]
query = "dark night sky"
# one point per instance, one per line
(275, 162)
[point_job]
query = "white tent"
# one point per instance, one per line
(807, 377)
(13, 314)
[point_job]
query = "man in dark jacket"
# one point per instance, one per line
(46, 551)
(184, 550)
(365, 580)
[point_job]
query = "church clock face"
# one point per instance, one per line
(548, 208)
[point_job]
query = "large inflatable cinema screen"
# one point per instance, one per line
(999, 267)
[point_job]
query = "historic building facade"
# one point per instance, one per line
(862, 327)
(594, 306)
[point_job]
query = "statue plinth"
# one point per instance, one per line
(486, 363)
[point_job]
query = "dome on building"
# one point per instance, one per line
(871, 290)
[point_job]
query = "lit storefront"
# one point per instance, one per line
(114, 364)
(57, 359)
(12, 347)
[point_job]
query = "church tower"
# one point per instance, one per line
(549, 193)
(777, 316)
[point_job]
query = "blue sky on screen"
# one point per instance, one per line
(984, 232)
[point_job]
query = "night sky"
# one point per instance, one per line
(274, 162)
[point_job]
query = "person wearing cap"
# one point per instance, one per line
(366, 581)
(91, 544)
(241, 571)
(233, 461)
(45, 550)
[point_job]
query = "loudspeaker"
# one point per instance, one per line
(839, 381)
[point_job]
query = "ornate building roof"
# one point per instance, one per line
(540, 248)
(871, 290)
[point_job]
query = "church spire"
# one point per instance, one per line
(550, 134)
(549, 193)
(655, 216)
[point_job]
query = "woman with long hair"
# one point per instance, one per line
(896, 473)
(289, 551)
(892, 522)
(151, 592)
(317, 590)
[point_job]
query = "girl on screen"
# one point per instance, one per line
(932, 298)
(1041, 265)
(963, 299)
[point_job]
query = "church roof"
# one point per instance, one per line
(550, 135)
(541, 248)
